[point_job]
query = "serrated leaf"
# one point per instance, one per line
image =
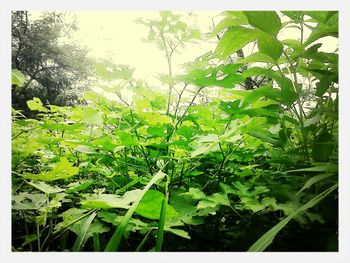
(222, 76)
(61, 170)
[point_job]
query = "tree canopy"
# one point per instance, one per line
(56, 69)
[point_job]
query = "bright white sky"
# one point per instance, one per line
(114, 35)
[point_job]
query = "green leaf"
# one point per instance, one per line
(310, 121)
(62, 126)
(185, 204)
(126, 139)
(18, 78)
(323, 147)
(36, 104)
(110, 71)
(324, 29)
(294, 15)
(61, 170)
(114, 242)
(194, 193)
(47, 189)
(25, 201)
(222, 76)
(151, 204)
(213, 200)
(87, 114)
(323, 85)
(227, 23)
(257, 57)
(319, 16)
(79, 186)
(267, 21)
(93, 116)
(314, 180)
(155, 118)
(84, 149)
(81, 239)
(269, 45)
(178, 232)
(234, 38)
(288, 94)
(205, 144)
(321, 167)
(265, 240)
(265, 136)
(162, 217)
(106, 201)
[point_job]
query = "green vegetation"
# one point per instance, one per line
(238, 153)
(56, 71)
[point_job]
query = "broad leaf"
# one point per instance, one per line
(61, 170)
(47, 189)
(288, 94)
(151, 204)
(267, 21)
(270, 46)
(18, 78)
(234, 39)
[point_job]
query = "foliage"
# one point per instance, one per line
(55, 71)
(176, 170)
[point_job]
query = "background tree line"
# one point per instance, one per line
(56, 68)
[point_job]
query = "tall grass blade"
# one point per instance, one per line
(82, 237)
(114, 243)
(265, 240)
(314, 180)
(96, 241)
(140, 246)
(160, 232)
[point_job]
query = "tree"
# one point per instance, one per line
(56, 72)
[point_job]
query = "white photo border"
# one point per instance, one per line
(6, 256)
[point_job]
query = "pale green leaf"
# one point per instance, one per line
(48, 189)
(234, 39)
(18, 78)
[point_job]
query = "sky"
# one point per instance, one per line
(114, 35)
